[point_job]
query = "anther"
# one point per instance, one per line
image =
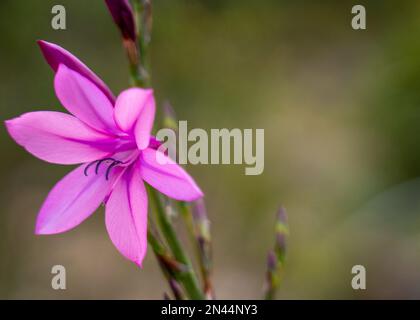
(98, 164)
(116, 162)
(88, 166)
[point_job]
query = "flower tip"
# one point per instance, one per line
(137, 259)
(200, 196)
(47, 49)
(9, 124)
(39, 231)
(40, 228)
(45, 46)
(282, 215)
(41, 42)
(44, 228)
(139, 262)
(197, 195)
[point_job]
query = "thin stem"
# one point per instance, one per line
(187, 216)
(140, 75)
(169, 266)
(272, 276)
(198, 228)
(196, 221)
(143, 18)
(177, 290)
(188, 278)
(276, 257)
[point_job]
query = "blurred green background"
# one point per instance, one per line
(341, 113)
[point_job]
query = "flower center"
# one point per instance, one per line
(123, 159)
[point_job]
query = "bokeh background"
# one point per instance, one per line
(341, 113)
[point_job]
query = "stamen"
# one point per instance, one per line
(116, 162)
(88, 166)
(98, 164)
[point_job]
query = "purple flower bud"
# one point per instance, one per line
(122, 14)
(276, 257)
(281, 242)
(271, 261)
(282, 215)
(282, 231)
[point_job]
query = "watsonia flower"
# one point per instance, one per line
(111, 139)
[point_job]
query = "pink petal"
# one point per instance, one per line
(143, 127)
(154, 143)
(135, 107)
(58, 137)
(56, 55)
(84, 99)
(126, 216)
(74, 198)
(170, 178)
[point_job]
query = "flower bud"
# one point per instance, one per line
(122, 14)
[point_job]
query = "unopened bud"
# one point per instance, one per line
(122, 14)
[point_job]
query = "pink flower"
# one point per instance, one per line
(113, 144)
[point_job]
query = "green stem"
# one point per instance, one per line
(201, 244)
(196, 222)
(143, 18)
(171, 269)
(140, 76)
(187, 216)
(187, 278)
(276, 257)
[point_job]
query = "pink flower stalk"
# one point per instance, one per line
(113, 144)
